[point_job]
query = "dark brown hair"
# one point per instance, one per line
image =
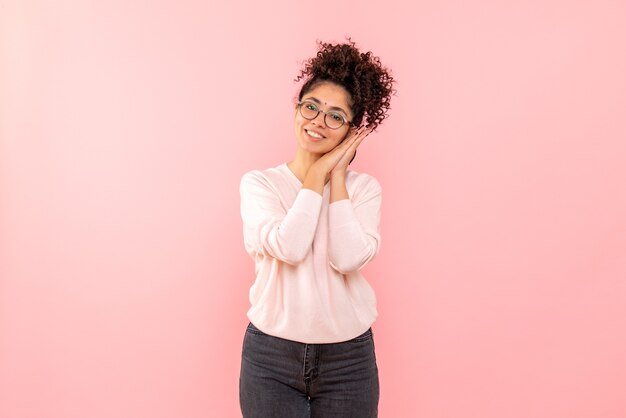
(367, 82)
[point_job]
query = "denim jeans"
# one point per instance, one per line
(281, 378)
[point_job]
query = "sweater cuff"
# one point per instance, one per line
(341, 212)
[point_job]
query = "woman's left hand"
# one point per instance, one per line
(342, 164)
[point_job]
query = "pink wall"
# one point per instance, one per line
(123, 136)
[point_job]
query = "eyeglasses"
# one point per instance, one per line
(309, 110)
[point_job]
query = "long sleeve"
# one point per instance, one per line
(354, 229)
(271, 230)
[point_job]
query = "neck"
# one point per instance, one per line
(302, 162)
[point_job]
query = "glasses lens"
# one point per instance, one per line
(309, 110)
(334, 120)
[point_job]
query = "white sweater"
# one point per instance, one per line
(308, 255)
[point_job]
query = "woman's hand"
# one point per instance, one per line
(345, 149)
(345, 159)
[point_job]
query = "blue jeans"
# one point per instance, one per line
(282, 378)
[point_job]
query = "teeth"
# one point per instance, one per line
(313, 134)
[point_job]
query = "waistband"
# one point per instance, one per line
(369, 332)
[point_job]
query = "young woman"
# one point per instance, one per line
(310, 225)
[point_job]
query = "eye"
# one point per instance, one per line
(310, 105)
(337, 117)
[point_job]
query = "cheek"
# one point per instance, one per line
(338, 140)
(341, 137)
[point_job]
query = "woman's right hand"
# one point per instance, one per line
(328, 161)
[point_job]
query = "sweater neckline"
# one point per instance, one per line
(295, 178)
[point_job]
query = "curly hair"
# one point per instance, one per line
(367, 82)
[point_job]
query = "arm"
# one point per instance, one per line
(338, 189)
(269, 229)
(354, 226)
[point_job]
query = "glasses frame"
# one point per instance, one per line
(300, 103)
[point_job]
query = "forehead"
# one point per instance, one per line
(332, 97)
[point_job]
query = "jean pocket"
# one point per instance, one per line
(254, 330)
(366, 336)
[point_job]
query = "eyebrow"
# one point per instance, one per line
(331, 108)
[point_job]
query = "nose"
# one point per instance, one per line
(319, 120)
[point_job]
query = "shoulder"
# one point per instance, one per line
(271, 179)
(267, 174)
(363, 181)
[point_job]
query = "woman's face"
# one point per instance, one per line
(328, 97)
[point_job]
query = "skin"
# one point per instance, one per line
(317, 162)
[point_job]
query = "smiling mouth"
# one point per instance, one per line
(315, 138)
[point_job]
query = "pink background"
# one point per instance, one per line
(126, 126)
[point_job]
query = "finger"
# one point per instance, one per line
(356, 132)
(363, 129)
(365, 132)
(362, 134)
(348, 141)
(360, 130)
(354, 145)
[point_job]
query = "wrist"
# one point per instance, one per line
(338, 174)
